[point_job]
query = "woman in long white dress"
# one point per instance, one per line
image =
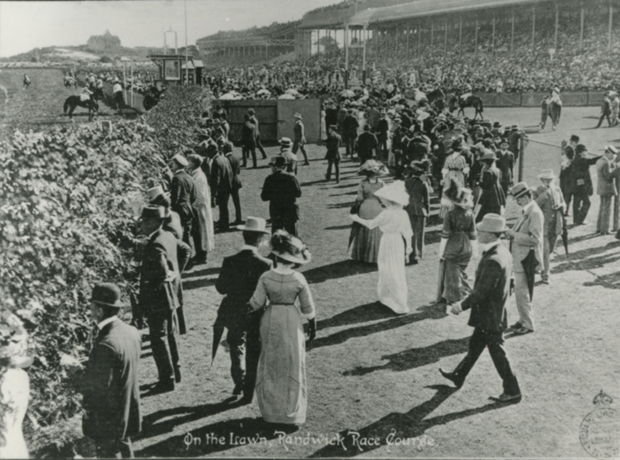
(395, 245)
(455, 169)
(14, 386)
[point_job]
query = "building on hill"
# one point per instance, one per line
(105, 42)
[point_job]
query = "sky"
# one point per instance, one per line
(27, 25)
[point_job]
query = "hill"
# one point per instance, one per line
(80, 53)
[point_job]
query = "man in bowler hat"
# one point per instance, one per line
(110, 380)
(237, 282)
(488, 316)
(182, 195)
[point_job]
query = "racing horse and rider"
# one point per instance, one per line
(551, 107)
(26, 81)
(87, 99)
(69, 81)
(464, 100)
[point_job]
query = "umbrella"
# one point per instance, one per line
(218, 332)
(347, 93)
(292, 91)
(529, 267)
(260, 92)
(228, 97)
(564, 234)
(288, 97)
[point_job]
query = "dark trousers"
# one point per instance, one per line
(364, 157)
(222, 203)
(163, 333)
(418, 224)
(600, 121)
(259, 146)
(335, 162)
(284, 222)
(505, 187)
(297, 145)
(247, 151)
(382, 149)
(349, 143)
(114, 448)
(244, 354)
(197, 238)
(494, 341)
(567, 193)
(581, 206)
(187, 230)
(234, 193)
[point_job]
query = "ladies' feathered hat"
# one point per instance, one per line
(373, 168)
(13, 340)
(289, 248)
(419, 167)
(460, 196)
(395, 192)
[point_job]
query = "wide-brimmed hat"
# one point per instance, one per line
(520, 189)
(547, 174)
(254, 224)
(278, 160)
(457, 144)
(492, 223)
(612, 149)
(286, 142)
(373, 168)
(153, 212)
(515, 127)
(395, 192)
(419, 167)
(227, 147)
(290, 248)
(154, 192)
(107, 294)
(13, 340)
(488, 155)
(298, 115)
(581, 148)
(180, 159)
(460, 196)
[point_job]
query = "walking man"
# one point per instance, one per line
(488, 316)
(605, 111)
(580, 170)
(366, 145)
(282, 189)
(227, 150)
(248, 141)
(110, 382)
(237, 282)
(334, 142)
(254, 121)
(505, 163)
(527, 247)
(606, 188)
(567, 182)
(350, 124)
(418, 208)
(221, 187)
(300, 138)
(383, 129)
(182, 195)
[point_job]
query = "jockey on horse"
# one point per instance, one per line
(467, 92)
(26, 80)
(551, 106)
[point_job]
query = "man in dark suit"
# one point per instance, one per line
(488, 309)
(248, 141)
(235, 169)
(237, 281)
(383, 129)
(567, 183)
(182, 195)
(221, 183)
(505, 163)
(580, 172)
(366, 145)
(418, 208)
(254, 121)
(350, 124)
(164, 259)
(282, 189)
(110, 380)
(299, 138)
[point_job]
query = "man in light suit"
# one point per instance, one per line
(221, 182)
(606, 188)
(526, 237)
(110, 380)
(488, 309)
(237, 281)
(299, 139)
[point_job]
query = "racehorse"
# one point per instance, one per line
(152, 97)
(550, 107)
(91, 104)
(437, 99)
(471, 101)
(69, 82)
(26, 81)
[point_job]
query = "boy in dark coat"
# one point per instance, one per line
(334, 142)
(418, 208)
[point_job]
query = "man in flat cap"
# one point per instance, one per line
(110, 382)
(282, 189)
(182, 195)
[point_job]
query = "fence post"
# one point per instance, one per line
(521, 155)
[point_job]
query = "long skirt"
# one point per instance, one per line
(364, 243)
(392, 287)
(453, 285)
(281, 378)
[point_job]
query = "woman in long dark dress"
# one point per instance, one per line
(492, 198)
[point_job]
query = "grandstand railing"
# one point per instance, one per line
(534, 99)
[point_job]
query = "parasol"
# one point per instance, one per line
(347, 93)
(288, 97)
(529, 267)
(228, 97)
(264, 91)
(292, 91)
(218, 332)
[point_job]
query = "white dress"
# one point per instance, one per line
(14, 393)
(202, 205)
(396, 227)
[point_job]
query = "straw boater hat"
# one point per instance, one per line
(13, 341)
(612, 149)
(373, 168)
(488, 155)
(459, 195)
(298, 115)
(546, 174)
(290, 248)
(395, 192)
(286, 142)
(153, 212)
(180, 159)
(519, 190)
(107, 294)
(492, 223)
(254, 224)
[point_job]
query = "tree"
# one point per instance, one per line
(105, 59)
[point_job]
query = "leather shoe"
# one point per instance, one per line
(164, 386)
(177, 375)
(522, 330)
(515, 326)
(238, 389)
(452, 377)
(504, 398)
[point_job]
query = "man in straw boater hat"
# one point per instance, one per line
(487, 302)
(286, 144)
(237, 282)
(164, 259)
(110, 382)
(526, 244)
(300, 137)
(549, 198)
(505, 163)
(182, 194)
(282, 189)
(333, 144)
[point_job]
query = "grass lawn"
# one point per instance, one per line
(373, 385)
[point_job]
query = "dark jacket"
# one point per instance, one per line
(505, 163)
(366, 143)
(333, 143)
(237, 281)
(492, 193)
(182, 195)
(163, 253)
(580, 174)
(299, 133)
(221, 180)
(110, 384)
(235, 169)
(383, 129)
(419, 197)
(281, 189)
(350, 125)
(248, 135)
(491, 291)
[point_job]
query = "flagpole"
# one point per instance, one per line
(186, 50)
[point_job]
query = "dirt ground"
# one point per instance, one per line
(373, 383)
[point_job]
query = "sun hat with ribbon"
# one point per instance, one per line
(373, 168)
(459, 195)
(289, 248)
(395, 192)
(492, 223)
(254, 224)
(13, 341)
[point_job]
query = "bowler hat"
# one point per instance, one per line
(492, 223)
(504, 141)
(574, 138)
(278, 161)
(180, 159)
(153, 212)
(107, 294)
(520, 189)
(254, 224)
(154, 192)
(581, 148)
